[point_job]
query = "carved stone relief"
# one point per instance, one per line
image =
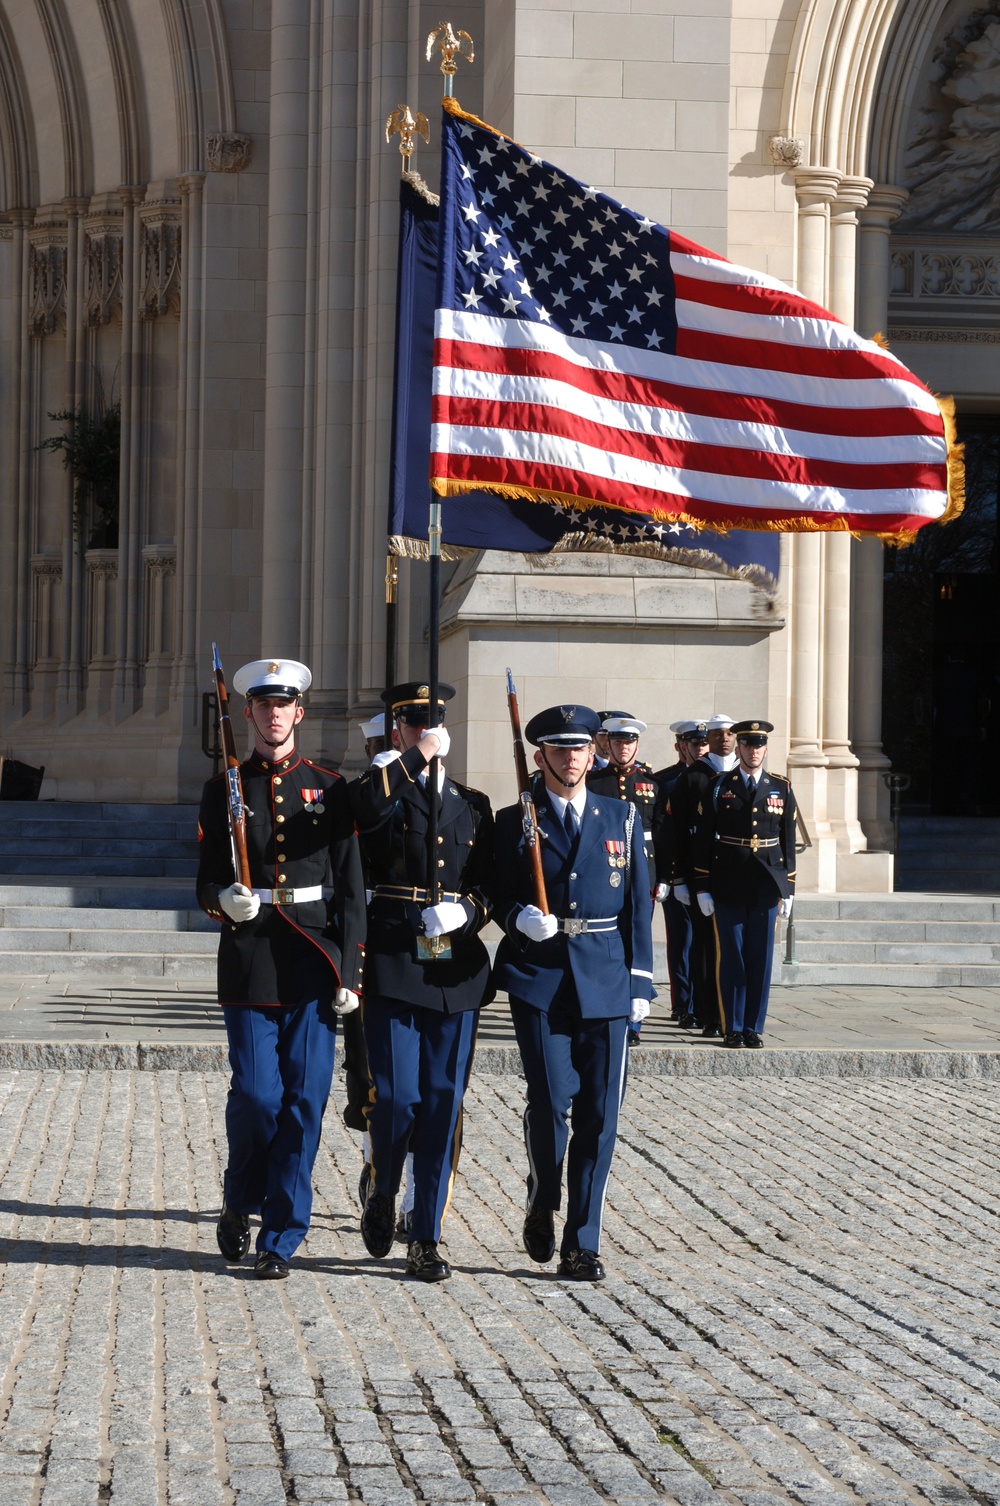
(228, 152)
(951, 164)
(104, 277)
(161, 266)
(47, 281)
(935, 272)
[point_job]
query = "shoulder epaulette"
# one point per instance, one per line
(321, 769)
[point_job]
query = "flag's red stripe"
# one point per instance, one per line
(591, 491)
(747, 298)
(798, 360)
(698, 455)
(617, 387)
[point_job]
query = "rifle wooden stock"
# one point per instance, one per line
(235, 808)
(529, 820)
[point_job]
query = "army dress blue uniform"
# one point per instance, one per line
(278, 974)
(421, 1015)
(571, 995)
(676, 915)
(745, 859)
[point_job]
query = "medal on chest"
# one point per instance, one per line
(313, 801)
(775, 804)
(616, 860)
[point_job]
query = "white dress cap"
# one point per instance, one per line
(282, 678)
(622, 724)
(374, 728)
(720, 722)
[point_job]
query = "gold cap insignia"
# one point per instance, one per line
(272, 668)
(755, 726)
(423, 690)
(568, 713)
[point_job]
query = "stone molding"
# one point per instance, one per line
(103, 274)
(160, 249)
(228, 152)
(46, 564)
(933, 272)
(47, 283)
(102, 563)
(160, 561)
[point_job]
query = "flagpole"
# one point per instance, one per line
(450, 44)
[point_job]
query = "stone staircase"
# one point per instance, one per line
(949, 855)
(67, 837)
(898, 940)
(102, 890)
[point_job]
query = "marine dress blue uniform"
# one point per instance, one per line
(744, 857)
(420, 1013)
(278, 975)
(571, 995)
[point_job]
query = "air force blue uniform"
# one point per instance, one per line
(570, 996)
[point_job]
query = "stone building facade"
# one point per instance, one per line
(198, 222)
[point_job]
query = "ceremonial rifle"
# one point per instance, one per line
(529, 820)
(235, 808)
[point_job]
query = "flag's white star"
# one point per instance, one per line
(466, 170)
(614, 249)
(491, 238)
(577, 241)
(615, 289)
(654, 297)
(525, 289)
(524, 247)
(509, 303)
(635, 274)
(559, 258)
(486, 155)
(616, 332)
(653, 340)
(523, 167)
(505, 222)
(543, 274)
(504, 181)
(472, 299)
(596, 225)
(485, 197)
(491, 278)
(578, 284)
(576, 202)
(649, 259)
(544, 315)
(522, 206)
(472, 256)
(465, 129)
(578, 326)
(541, 232)
(634, 315)
(509, 262)
(609, 211)
(675, 528)
(645, 224)
(597, 307)
(632, 239)
(471, 212)
(590, 524)
(541, 192)
(559, 216)
(597, 266)
(589, 193)
(559, 299)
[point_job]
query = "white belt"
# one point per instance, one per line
(574, 927)
(292, 896)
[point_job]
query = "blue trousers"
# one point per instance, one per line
(745, 940)
(282, 1068)
(575, 1074)
(679, 933)
(420, 1061)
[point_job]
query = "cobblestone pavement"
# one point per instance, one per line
(802, 1307)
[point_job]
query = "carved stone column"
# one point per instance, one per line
(884, 205)
(20, 599)
(46, 579)
(189, 405)
(284, 411)
(74, 592)
(125, 680)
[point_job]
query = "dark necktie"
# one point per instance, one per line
(751, 787)
(570, 823)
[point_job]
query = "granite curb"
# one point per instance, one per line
(498, 1061)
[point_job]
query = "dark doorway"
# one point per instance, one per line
(941, 667)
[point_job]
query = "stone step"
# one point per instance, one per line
(44, 892)
(842, 975)
(895, 907)
(192, 968)
(108, 942)
(68, 846)
(81, 810)
(932, 931)
(849, 951)
(37, 917)
(90, 867)
(29, 830)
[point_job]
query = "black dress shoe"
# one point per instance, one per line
(539, 1234)
(378, 1224)
(734, 1039)
(233, 1234)
(581, 1265)
(633, 1038)
(404, 1227)
(753, 1040)
(364, 1182)
(424, 1262)
(270, 1267)
(711, 1030)
(687, 1022)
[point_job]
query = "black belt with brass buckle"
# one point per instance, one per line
(754, 843)
(574, 927)
(417, 895)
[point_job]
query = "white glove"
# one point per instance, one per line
(536, 926)
(706, 904)
(239, 902)
(661, 891)
(443, 736)
(346, 1002)
(438, 920)
(638, 1012)
(785, 908)
(682, 893)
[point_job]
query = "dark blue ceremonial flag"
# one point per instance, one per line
(485, 520)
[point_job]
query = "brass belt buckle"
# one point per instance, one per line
(754, 844)
(284, 896)
(574, 927)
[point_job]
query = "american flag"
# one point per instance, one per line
(585, 354)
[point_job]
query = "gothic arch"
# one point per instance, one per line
(73, 113)
(18, 164)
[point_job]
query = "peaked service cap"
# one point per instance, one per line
(564, 726)
(279, 679)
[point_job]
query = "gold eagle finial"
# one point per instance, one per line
(450, 44)
(408, 125)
